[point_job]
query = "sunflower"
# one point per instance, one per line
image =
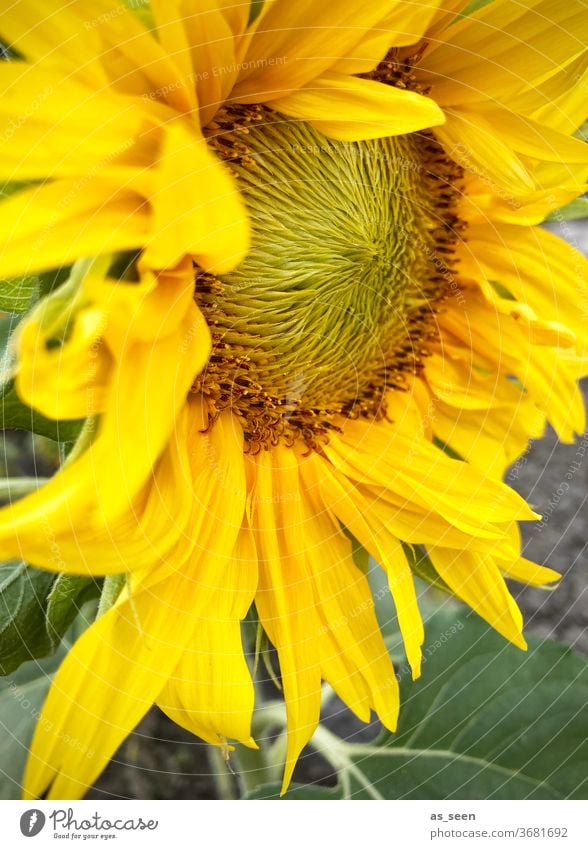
(307, 311)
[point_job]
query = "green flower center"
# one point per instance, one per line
(336, 300)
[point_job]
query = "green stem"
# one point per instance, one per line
(223, 777)
(334, 750)
(111, 590)
(276, 757)
(18, 487)
(252, 768)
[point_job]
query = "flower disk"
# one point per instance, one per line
(334, 304)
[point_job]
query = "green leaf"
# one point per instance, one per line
(18, 294)
(36, 609)
(421, 565)
(485, 720)
(68, 594)
(8, 324)
(361, 556)
(22, 629)
(472, 7)
(578, 208)
(14, 413)
(21, 699)
(51, 280)
(447, 449)
(255, 10)
(295, 791)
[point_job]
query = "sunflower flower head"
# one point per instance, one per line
(307, 312)
(360, 235)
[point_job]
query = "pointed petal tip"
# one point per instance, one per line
(288, 771)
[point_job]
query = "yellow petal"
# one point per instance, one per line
(153, 376)
(67, 381)
(537, 268)
(559, 102)
(65, 37)
(133, 57)
(535, 139)
(298, 42)
(477, 581)
(476, 145)
(54, 224)
(405, 25)
(54, 125)
(375, 455)
(206, 40)
(106, 684)
(503, 49)
(211, 692)
(160, 301)
(286, 603)
(210, 222)
(103, 482)
(350, 108)
(556, 186)
(548, 374)
(527, 572)
(57, 528)
(344, 597)
(388, 551)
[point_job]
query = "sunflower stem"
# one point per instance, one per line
(224, 778)
(252, 768)
(18, 487)
(111, 590)
(84, 440)
(332, 748)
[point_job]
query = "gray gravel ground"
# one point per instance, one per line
(561, 539)
(554, 478)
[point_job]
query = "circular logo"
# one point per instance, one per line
(32, 822)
